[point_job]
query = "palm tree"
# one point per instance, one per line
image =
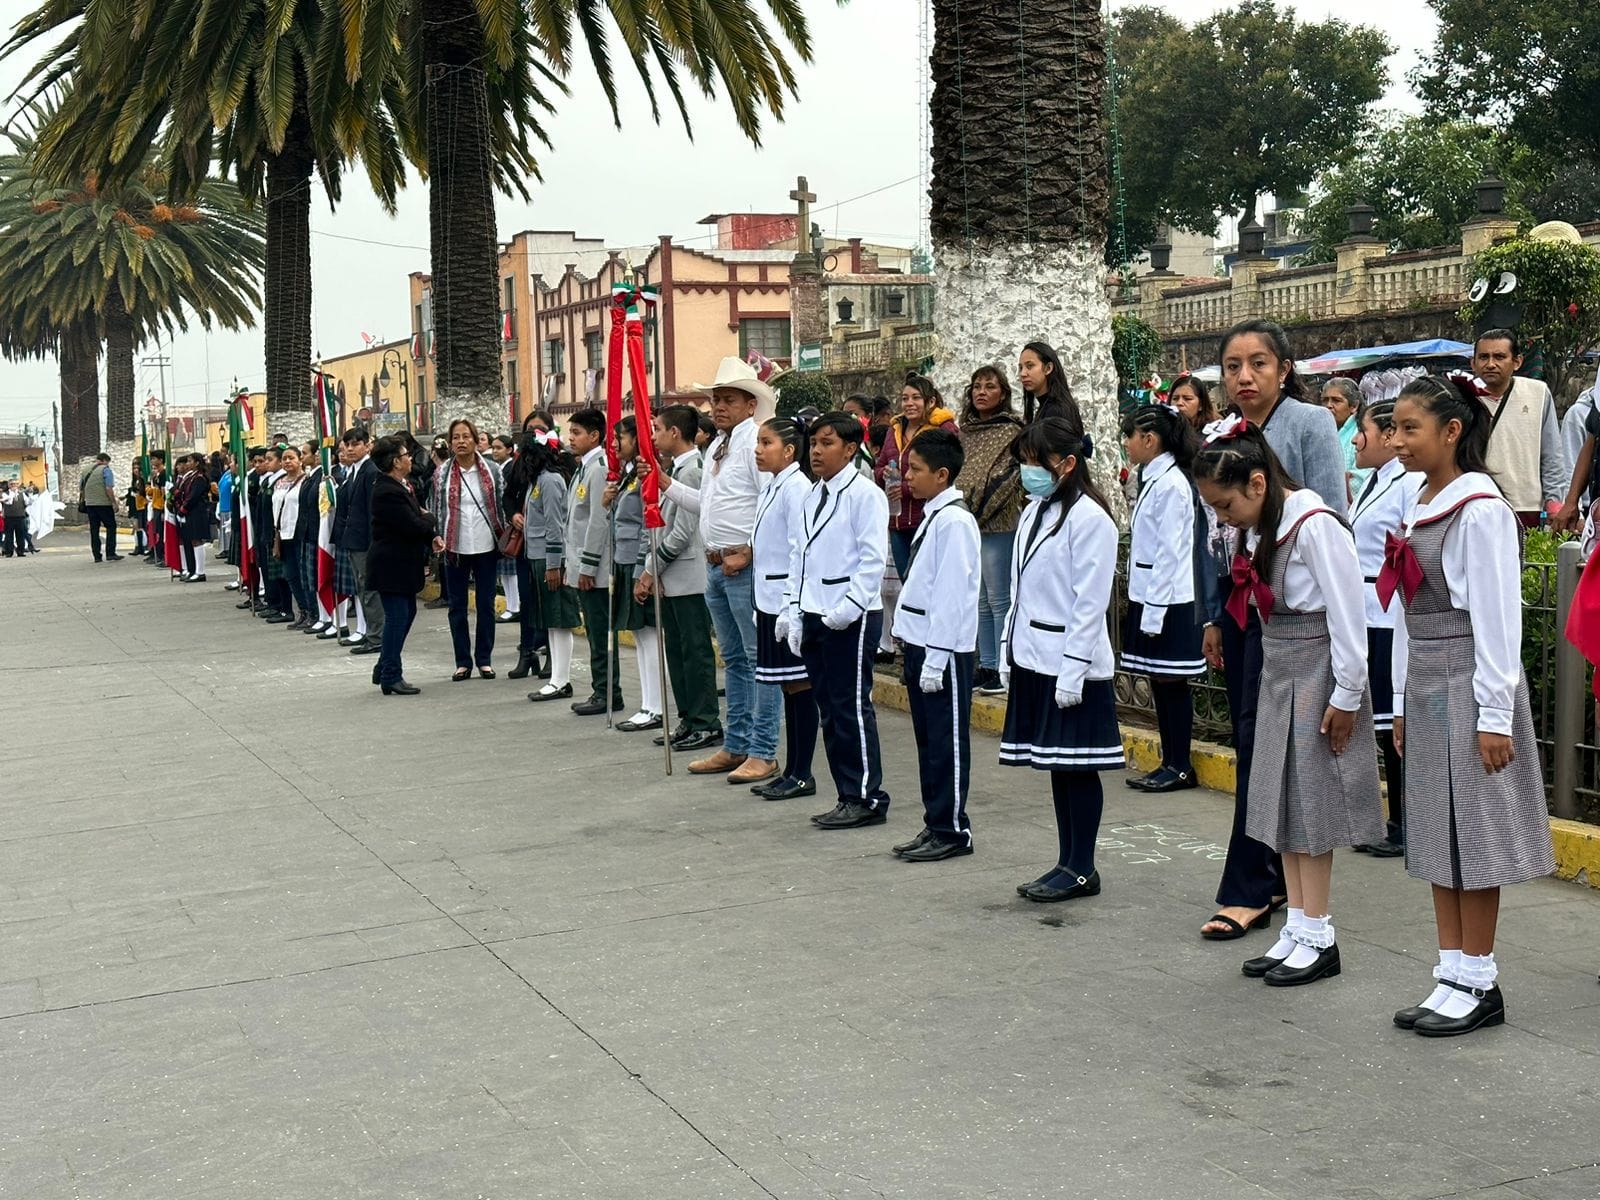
(1019, 192)
(86, 260)
(257, 88)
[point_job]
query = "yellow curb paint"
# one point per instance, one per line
(1577, 851)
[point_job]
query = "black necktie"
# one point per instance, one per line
(821, 504)
(1372, 482)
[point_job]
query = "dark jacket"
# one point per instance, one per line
(310, 514)
(191, 503)
(357, 524)
(397, 560)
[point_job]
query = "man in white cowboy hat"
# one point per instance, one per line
(730, 485)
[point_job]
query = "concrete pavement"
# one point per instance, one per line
(264, 933)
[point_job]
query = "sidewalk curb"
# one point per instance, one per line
(1577, 845)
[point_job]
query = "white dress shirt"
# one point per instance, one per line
(286, 505)
(938, 605)
(729, 489)
(1161, 549)
(1483, 567)
(779, 515)
(1323, 575)
(1377, 512)
(474, 534)
(838, 557)
(1060, 593)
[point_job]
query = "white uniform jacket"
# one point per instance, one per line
(938, 607)
(1379, 508)
(1161, 552)
(1483, 565)
(837, 560)
(779, 513)
(1060, 593)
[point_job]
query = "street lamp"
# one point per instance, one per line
(384, 379)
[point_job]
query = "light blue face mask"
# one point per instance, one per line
(1037, 481)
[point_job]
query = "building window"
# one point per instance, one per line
(511, 377)
(894, 304)
(510, 304)
(767, 336)
(594, 348)
(555, 357)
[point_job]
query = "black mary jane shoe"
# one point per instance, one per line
(1022, 888)
(524, 666)
(400, 689)
(788, 789)
(934, 850)
(1168, 780)
(635, 725)
(1141, 782)
(1407, 1018)
(564, 692)
(1083, 885)
(1255, 968)
(1491, 1010)
(1325, 966)
(925, 836)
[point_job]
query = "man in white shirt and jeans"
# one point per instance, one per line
(730, 485)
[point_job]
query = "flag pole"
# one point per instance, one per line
(661, 649)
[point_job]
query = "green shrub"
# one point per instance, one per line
(796, 389)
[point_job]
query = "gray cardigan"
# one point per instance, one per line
(683, 560)
(1306, 441)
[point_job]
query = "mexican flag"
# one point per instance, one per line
(171, 551)
(506, 334)
(326, 599)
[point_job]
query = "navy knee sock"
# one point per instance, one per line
(1079, 800)
(801, 722)
(1175, 721)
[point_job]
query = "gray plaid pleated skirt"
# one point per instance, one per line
(344, 573)
(1304, 799)
(1465, 828)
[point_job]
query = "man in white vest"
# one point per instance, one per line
(1525, 451)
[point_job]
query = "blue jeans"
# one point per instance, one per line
(399, 610)
(900, 550)
(994, 596)
(753, 708)
(480, 568)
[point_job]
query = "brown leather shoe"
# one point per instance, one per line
(754, 770)
(716, 764)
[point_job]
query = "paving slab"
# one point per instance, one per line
(265, 933)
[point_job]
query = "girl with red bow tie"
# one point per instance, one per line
(1295, 564)
(1475, 808)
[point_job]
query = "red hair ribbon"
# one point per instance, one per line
(1246, 582)
(1400, 572)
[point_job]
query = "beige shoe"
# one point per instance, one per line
(754, 771)
(716, 764)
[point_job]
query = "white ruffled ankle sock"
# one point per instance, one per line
(1449, 967)
(1312, 936)
(1284, 946)
(1474, 972)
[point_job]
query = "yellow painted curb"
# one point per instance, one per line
(1577, 851)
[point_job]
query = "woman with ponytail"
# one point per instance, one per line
(1295, 564)
(1475, 808)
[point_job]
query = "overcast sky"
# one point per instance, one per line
(852, 131)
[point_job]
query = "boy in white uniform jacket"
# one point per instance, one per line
(937, 621)
(833, 615)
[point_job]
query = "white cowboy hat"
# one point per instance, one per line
(736, 373)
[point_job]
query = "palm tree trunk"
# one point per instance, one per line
(120, 401)
(287, 299)
(80, 394)
(1019, 194)
(461, 218)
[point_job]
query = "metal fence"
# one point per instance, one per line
(1559, 685)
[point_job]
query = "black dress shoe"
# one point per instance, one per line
(1387, 849)
(594, 707)
(1168, 780)
(276, 618)
(524, 667)
(244, 604)
(934, 850)
(367, 648)
(400, 689)
(1043, 893)
(699, 739)
(1138, 783)
(678, 731)
(1255, 968)
(852, 814)
(197, 579)
(787, 789)
(1324, 966)
(1491, 1010)
(328, 634)
(1022, 888)
(636, 725)
(374, 674)
(116, 558)
(925, 836)
(551, 693)
(833, 812)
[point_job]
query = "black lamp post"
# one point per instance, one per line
(384, 379)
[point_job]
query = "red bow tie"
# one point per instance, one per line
(1245, 584)
(1401, 571)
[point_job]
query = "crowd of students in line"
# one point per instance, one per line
(1249, 550)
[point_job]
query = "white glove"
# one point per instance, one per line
(1005, 678)
(1068, 699)
(1152, 618)
(794, 638)
(780, 626)
(932, 680)
(841, 617)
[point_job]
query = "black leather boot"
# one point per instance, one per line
(524, 665)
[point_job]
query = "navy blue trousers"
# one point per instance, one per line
(942, 722)
(839, 664)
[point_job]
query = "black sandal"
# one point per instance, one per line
(1234, 930)
(462, 675)
(486, 672)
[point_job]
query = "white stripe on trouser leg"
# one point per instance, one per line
(361, 616)
(200, 558)
(861, 726)
(955, 737)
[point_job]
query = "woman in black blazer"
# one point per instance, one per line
(398, 560)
